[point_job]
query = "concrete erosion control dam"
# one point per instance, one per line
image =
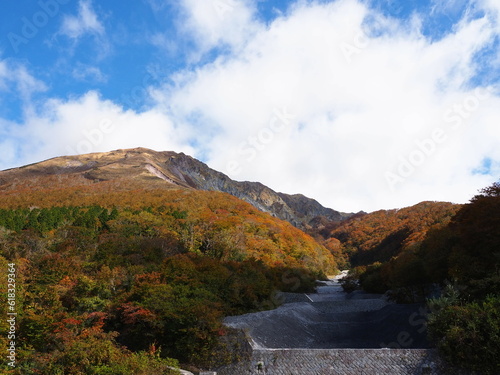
(332, 332)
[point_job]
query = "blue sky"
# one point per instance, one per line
(359, 104)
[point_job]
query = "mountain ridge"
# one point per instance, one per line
(147, 168)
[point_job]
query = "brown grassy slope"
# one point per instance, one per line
(125, 169)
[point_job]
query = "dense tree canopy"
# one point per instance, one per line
(120, 282)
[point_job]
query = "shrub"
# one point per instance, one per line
(468, 336)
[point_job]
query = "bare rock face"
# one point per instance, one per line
(141, 167)
(296, 209)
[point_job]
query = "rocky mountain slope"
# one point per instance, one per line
(140, 168)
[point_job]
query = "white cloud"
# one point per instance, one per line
(364, 96)
(216, 22)
(91, 124)
(16, 77)
(85, 22)
(26, 83)
(493, 7)
(85, 26)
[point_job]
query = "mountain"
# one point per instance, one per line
(144, 168)
(382, 235)
(125, 252)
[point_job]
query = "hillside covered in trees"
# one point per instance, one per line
(120, 282)
(384, 236)
(446, 253)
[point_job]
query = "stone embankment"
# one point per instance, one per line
(337, 362)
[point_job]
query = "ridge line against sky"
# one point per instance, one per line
(361, 105)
